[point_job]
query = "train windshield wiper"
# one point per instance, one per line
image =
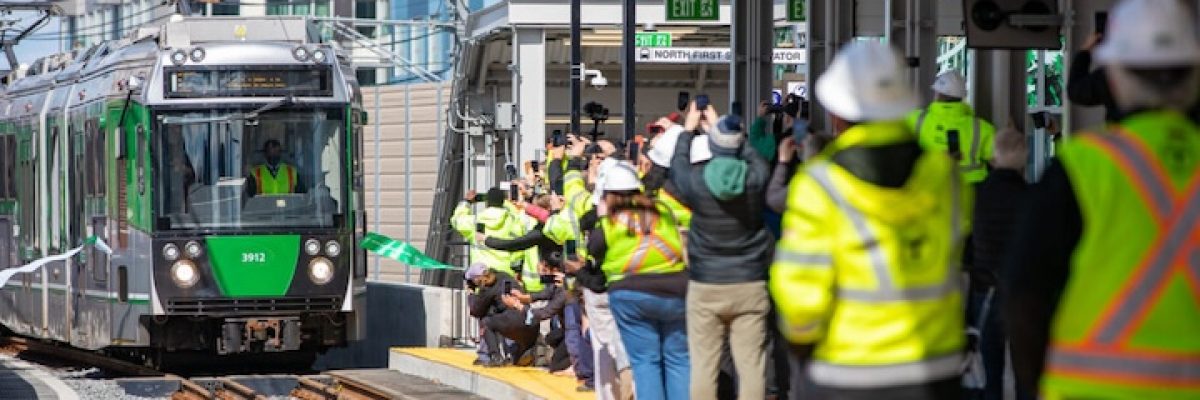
(249, 117)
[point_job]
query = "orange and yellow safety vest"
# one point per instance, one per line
(1128, 323)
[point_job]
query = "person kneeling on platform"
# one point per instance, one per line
(499, 321)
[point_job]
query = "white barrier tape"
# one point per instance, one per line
(7, 274)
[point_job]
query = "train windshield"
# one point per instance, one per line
(251, 168)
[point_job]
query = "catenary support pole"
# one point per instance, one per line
(629, 66)
(576, 64)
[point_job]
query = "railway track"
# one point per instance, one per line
(42, 350)
(331, 386)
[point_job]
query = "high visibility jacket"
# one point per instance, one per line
(975, 139)
(683, 214)
(283, 181)
(499, 223)
(634, 251)
(870, 274)
(1128, 321)
(563, 226)
(530, 275)
(578, 198)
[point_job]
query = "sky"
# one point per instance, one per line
(41, 42)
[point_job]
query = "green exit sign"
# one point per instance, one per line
(652, 39)
(693, 10)
(795, 10)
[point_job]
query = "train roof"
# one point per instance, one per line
(145, 43)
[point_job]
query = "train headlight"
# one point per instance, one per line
(197, 54)
(300, 53)
(332, 248)
(312, 247)
(320, 270)
(318, 56)
(170, 252)
(193, 249)
(185, 274)
(178, 57)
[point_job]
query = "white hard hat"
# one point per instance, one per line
(621, 177)
(950, 83)
(866, 82)
(1149, 33)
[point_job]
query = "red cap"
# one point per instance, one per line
(674, 116)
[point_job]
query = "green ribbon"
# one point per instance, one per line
(400, 251)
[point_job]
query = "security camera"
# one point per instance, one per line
(599, 82)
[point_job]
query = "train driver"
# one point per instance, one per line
(274, 177)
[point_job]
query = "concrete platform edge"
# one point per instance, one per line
(449, 375)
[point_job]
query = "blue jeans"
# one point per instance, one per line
(654, 330)
(580, 349)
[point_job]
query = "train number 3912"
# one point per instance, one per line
(254, 257)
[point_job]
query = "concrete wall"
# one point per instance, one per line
(408, 132)
(399, 315)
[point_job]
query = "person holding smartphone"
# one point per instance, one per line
(499, 321)
(637, 250)
(936, 124)
(494, 220)
(1087, 86)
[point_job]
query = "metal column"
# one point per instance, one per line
(913, 32)
(753, 39)
(576, 65)
(830, 24)
(1000, 86)
(529, 48)
(629, 66)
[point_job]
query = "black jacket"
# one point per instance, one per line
(546, 247)
(728, 241)
(487, 301)
(1086, 87)
(1048, 229)
(997, 202)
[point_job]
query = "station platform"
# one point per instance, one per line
(22, 380)
(453, 367)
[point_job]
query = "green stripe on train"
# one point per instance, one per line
(247, 266)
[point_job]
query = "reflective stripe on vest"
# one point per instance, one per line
(617, 268)
(873, 376)
(1105, 354)
(887, 291)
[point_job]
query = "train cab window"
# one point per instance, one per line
(284, 168)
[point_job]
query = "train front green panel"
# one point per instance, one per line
(249, 266)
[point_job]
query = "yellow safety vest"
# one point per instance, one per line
(1128, 322)
(932, 123)
(632, 251)
(282, 182)
(869, 274)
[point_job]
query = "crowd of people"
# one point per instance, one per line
(725, 257)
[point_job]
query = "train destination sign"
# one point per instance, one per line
(710, 55)
(273, 81)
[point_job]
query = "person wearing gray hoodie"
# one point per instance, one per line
(730, 249)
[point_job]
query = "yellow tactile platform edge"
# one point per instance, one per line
(535, 381)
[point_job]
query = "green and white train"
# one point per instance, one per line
(150, 143)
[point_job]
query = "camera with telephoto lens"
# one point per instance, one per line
(596, 111)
